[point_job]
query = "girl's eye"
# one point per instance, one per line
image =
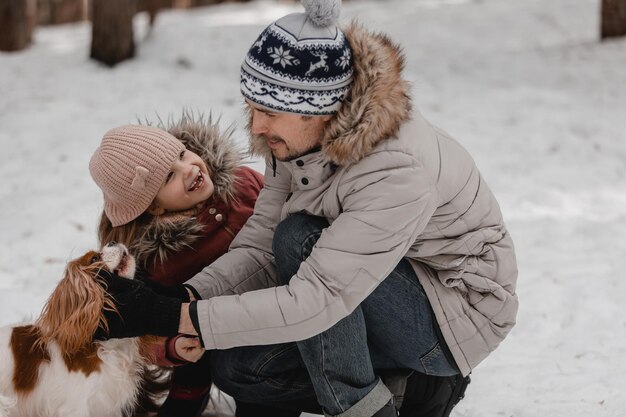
(169, 177)
(94, 259)
(182, 154)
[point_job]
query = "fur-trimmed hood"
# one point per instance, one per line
(374, 109)
(171, 233)
(217, 149)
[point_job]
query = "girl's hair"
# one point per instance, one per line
(128, 233)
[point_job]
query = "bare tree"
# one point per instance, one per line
(17, 21)
(61, 11)
(613, 18)
(152, 7)
(195, 3)
(112, 31)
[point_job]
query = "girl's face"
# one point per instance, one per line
(187, 184)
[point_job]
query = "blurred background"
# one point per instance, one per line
(534, 89)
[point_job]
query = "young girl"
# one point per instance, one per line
(176, 196)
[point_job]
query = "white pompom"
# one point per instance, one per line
(323, 12)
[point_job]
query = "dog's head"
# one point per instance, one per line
(75, 309)
(117, 259)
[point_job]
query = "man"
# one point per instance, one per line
(375, 245)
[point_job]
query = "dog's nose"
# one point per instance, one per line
(112, 243)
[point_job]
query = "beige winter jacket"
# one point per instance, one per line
(392, 186)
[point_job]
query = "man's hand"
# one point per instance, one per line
(140, 310)
(186, 326)
(175, 291)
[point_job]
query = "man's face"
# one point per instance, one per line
(289, 136)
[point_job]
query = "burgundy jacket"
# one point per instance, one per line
(220, 223)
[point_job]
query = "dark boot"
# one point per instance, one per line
(432, 396)
(257, 410)
(185, 403)
(190, 390)
(389, 410)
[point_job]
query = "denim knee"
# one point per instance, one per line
(293, 241)
(228, 375)
(257, 374)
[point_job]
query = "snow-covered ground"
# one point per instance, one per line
(525, 85)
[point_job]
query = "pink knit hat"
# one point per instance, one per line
(130, 166)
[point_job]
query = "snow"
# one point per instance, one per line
(525, 85)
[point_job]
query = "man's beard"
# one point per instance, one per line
(291, 155)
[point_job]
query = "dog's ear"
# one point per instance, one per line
(75, 309)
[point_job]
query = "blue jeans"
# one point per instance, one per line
(392, 328)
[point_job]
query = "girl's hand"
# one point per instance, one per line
(189, 348)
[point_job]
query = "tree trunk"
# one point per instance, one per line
(197, 3)
(60, 11)
(152, 7)
(613, 18)
(112, 31)
(181, 4)
(200, 3)
(17, 21)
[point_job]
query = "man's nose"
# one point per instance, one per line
(259, 125)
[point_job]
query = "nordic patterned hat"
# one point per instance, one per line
(302, 63)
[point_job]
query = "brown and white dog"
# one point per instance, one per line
(53, 368)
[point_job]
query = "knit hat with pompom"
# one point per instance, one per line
(302, 63)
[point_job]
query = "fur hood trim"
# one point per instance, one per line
(173, 232)
(376, 106)
(378, 102)
(164, 237)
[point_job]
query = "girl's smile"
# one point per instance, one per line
(187, 184)
(197, 183)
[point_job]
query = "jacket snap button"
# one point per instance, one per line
(300, 162)
(305, 181)
(212, 210)
(219, 217)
